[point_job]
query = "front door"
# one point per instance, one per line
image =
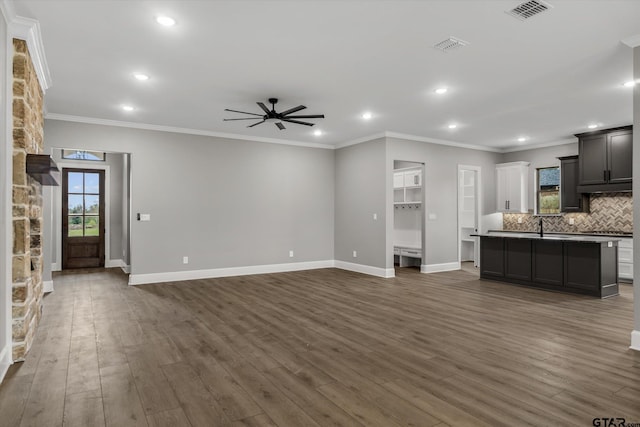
(82, 218)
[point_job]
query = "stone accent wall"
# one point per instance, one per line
(608, 212)
(28, 124)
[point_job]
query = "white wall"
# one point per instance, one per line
(540, 158)
(6, 164)
(360, 192)
(223, 203)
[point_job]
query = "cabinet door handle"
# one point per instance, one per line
(604, 175)
(609, 175)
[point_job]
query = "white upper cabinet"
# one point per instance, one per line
(413, 178)
(512, 187)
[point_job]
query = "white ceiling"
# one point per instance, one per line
(545, 78)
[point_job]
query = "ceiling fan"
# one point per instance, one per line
(271, 116)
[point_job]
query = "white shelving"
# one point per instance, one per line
(407, 221)
(407, 186)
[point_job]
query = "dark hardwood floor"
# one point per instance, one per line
(323, 348)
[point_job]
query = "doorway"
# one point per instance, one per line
(468, 214)
(408, 213)
(83, 218)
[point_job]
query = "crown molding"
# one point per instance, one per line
(172, 129)
(543, 145)
(29, 30)
(632, 42)
(442, 142)
(397, 135)
(361, 140)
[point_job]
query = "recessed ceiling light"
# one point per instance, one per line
(592, 126)
(522, 139)
(441, 90)
(630, 83)
(140, 76)
(453, 126)
(128, 108)
(166, 21)
(367, 115)
(317, 132)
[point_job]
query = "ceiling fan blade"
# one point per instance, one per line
(280, 126)
(293, 110)
(284, 119)
(310, 116)
(242, 112)
(264, 107)
(255, 124)
(244, 118)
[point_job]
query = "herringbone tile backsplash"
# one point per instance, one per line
(609, 212)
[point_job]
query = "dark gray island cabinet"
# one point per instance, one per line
(578, 264)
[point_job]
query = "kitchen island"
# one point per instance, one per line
(567, 263)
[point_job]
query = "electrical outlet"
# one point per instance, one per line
(572, 221)
(290, 254)
(355, 254)
(185, 260)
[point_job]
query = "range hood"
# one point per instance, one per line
(605, 188)
(43, 169)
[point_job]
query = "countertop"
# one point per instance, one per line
(551, 236)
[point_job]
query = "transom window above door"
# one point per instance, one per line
(96, 156)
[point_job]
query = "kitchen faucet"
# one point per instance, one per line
(541, 228)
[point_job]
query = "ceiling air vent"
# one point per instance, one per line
(528, 9)
(449, 44)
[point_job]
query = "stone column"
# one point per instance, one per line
(28, 124)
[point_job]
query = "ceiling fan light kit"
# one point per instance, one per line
(271, 116)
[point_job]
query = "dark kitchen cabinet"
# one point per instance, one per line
(517, 253)
(570, 199)
(591, 268)
(555, 263)
(492, 257)
(605, 160)
(548, 265)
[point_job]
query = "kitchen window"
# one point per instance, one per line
(548, 191)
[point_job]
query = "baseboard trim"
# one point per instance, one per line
(126, 268)
(47, 286)
(635, 340)
(55, 267)
(5, 361)
(176, 276)
(113, 263)
(439, 268)
(386, 273)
